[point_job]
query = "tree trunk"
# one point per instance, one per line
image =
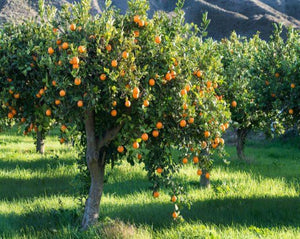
(204, 182)
(40, 144)
(241, 140)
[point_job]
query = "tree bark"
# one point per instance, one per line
(204, 182)
(40, 144)
(95, 158)
(241, 140)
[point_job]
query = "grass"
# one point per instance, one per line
(256, 200)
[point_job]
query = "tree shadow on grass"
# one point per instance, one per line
(260, 212)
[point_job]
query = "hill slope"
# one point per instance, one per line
(245, 16)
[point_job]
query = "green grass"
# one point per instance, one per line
(256, 200)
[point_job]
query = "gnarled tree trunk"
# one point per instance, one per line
(204, 181)
(40, 144)
(241, 140)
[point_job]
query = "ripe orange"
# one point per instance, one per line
(277, 75)
(135, 93)
(159, 125)
(57, 102)
(233, 104)
(77, 81)
(108, 47)
(23, 120)
(182, 123)
(168, 76)
(136, 34)
(155, 133)
(17, 96)
(139, 156)
(9, 79)
(63, 128)
(62, 93)
(151, 82)
(113, 113)
(127, 103)
(50, 50)
(62, 140)
(54, 30)
(157, 39)
(135, 145)
(195, 159)
(141, 23)
(293, 85)
(199, 172)
(191, 120)
(10, 115)
(79, 103)
(114, 103)
(222, 141)
(73, 27)
(206, 134)
(65, 46)
(208, 84)
(188, 88)
(291, 111)
(58, 42)
(185, 160)
(38, 95)
(74, 60)
(183, 92)
(48, 112)
(145, 136)
(207, 175)
(136, 18)
(125, 54)
(174, 215)
(14, 112)
(54, 83)
(81, 49)
(156, 194)
(159, 170)
(222, 127)
(42, 91)
(267, 83)
(214, 145)
(146, 103)
(114, 63)
(199, 74)
(120, 149)
(102, 77)
(173, 198)
(122, 73)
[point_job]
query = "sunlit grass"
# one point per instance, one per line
(256, 200)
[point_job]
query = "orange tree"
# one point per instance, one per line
(134, 90)
(278, 70)
(23, 83)
(242, 87)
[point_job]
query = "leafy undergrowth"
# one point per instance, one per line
(247, 200)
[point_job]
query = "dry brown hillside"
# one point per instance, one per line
(245, 16)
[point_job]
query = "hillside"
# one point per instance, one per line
(245, 16)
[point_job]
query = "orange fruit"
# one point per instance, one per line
(113, 113)
(62, 93)
(159, 170)
(207, 175)
(187, 88)
(208, 84)
(267, 82)
(63, 128)
(65, 46)
(168, 76)
(199, 172)
(277, 75)
(173, 198)
(214, 145)
(146, 103)
(222, 141)
(14, 112)
(156, 194)
(226, 125)
(17, 96)
(159, 125)
(222, 127)
(10, 115)
(77, 81)
(38, 95)
(81, 49)
(42, 91)
(125, 54)
(217, 140)
(199, 74)
(54, 83)
(185, 160)
(136, 33)
(114, 63)
(195, 159)
(291, 111)
(141, 23)
(108, 47)
(74, 60)
(23, 120)
(48, 112)
(62, 140)
(191, 120)
(73, 27)
(102, 77)
(58, 42)
(114, 103)
(145, 136)
(206, 134)
(182, 123)
(9, 79)
(50, 50)
(136, 18)
(79, 103)
(54, 30)
(127, 103)
(135, 145)
(174, 215)
(293, 85)
(151, 82)
(120, 149)
(139, 156)
(155, 133)
(157, 39)
(57, 102)
(233, 104)
(122, 73)
(183, 92)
